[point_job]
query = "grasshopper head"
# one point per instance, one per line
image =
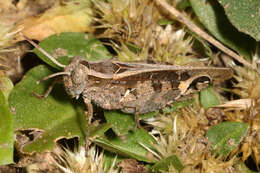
(76, 82)
(75, 78)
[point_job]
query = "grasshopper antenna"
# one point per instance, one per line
(49, 56)
(53, 75)
(43, 51)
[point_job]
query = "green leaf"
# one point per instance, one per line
(128, 145)
(69, 44)
(6, 132)
(6, 86)
(244, 15)
(123, 122)
(213, 17)
(208, 98)
(96, 131)
(164, 164)
(55, 117)
(226, 136)
(110, 159)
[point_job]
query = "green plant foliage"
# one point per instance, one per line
(208, 98)
(164, 164)
(128, 145)
(213, 17)
(126, 139)
(6, 127)
(110, 159)
(244, 15)
(99, 130)
(55, 117)
(69, 44)
(122, 122)
(226, 136)
(6, 86)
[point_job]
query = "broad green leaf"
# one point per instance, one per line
(164, 164)
(123, 122)
(244, 15)
(213, 17)
(6, 132)
(69, 44)
(225, 137)
(208, 98)
(128, 145)
(55, 117)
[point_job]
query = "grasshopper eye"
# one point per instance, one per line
(78, 75)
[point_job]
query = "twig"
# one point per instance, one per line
(183, 19)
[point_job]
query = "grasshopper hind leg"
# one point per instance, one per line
(137, 122)
(133, 110)
(89, 115)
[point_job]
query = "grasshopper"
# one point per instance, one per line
(135, 88)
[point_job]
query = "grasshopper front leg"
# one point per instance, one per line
(48, 91)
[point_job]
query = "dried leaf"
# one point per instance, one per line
(75, 16)
(239, 103)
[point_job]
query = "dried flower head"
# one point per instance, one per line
(247, 108)
(77, 162)
(6, 35)
(182, 133)
(134, 24)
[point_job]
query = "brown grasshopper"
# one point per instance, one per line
(135, 88)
